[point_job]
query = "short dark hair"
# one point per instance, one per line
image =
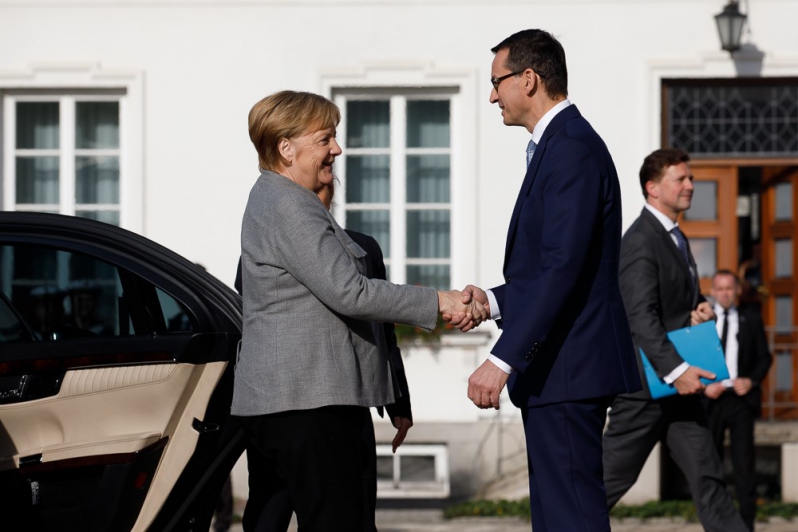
(540, 51)
(727, 272)
(657, 162)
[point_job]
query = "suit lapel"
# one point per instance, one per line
(673, 249)
(532, 171)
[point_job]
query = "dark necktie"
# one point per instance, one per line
(681, 241)
(725, 330)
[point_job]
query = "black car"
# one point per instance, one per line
(116, 375)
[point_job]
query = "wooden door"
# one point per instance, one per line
(711, 221)
(779, 298)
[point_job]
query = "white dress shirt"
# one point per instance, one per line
(537, 135)
(732, 347)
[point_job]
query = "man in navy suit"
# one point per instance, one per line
(565, 349)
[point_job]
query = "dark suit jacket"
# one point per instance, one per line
(564, 325)
(375, 269)
(753, 355)
(657, 292)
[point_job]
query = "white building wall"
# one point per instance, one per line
(199, 65)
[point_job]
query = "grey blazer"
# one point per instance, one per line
(307, 341)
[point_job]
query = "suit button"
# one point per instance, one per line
(507, 280)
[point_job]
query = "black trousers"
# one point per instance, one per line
(635, 426)
(314, 461)
(732, 412)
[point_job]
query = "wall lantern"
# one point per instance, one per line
(730, 26)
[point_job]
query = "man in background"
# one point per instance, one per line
(735, 403)
(659, 284)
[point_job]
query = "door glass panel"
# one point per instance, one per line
(37, 125)
(37, 180)
(705, 202)
(11, 327)
(376, 224)
(705, 253)
(784, 372)
(368, 179)
(784, 201)
(784, 258)
(784, 314)
(368, 124)
(385, 468)
(428, 124)
(109, 217)
(63, 294)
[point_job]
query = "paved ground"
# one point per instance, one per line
(432, 521)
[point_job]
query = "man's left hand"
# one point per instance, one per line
(703, 312)
(485, 385)
(742, 385)
(402, 425)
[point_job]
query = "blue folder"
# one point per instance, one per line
(698, 346)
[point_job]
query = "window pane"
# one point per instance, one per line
(11, 328)
(428, 124)
(37, 125)
(428, 234)
(784, 372)
(109, 217)
(784, 201)
(784, 258)
(428, 179)
(783, 314)
(368, 179)
(97, 180)
(433, 275)
(705, 253)
(376, 224)
(385, 468)
(368, 124)
(705, 202)
(37, 180)
(417, 468)
(97, 125)
(176, 316)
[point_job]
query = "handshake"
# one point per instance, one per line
(464, 309)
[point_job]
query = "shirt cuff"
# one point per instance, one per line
(495, 313)
(676, 373)
(727, 383)
(501, 364)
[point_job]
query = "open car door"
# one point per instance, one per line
(116, 359)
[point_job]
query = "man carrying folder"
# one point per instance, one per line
(659, 285)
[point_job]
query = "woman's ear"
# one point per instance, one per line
(286, 149)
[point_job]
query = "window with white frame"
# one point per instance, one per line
(62, 154)
(396, 173)
(414, 471)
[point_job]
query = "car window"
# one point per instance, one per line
(64, 294)
(11, 327)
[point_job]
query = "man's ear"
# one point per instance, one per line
(531, 80)
(286, 149)
(652, 189)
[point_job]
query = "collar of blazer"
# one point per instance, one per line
(552, 129)
(667, 242)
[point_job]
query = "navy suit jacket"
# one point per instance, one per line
(565, 330)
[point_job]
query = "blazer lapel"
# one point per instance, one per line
(532, 171)
(673, 249)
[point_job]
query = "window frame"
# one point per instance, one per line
(92, 81)
(440, 488)
(398, 151)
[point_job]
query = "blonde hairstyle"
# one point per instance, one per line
(287, 114)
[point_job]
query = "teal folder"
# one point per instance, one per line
(698, 346)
